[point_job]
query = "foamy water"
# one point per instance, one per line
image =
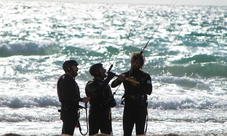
(186, 58)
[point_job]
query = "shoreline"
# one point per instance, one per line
(163, 129)
(14, 134)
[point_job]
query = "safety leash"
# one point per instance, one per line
(86, 120)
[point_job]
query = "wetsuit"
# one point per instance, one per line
(135, 101)
(69, 96)
(101, 101)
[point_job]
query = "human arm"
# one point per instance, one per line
(85, 99)
(118, 81)
(146, 85)
(68, 91)
(96, 86)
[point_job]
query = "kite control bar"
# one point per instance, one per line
(130, 80)
(127, 79)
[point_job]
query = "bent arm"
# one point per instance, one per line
(115, 83)
(146, 85)
(93, 88)
(118, 81)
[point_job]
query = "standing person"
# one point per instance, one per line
(69, 96)
(135, 96)
(101, 101)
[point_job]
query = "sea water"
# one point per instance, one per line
(186, 56)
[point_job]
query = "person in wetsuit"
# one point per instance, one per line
(69, 97)
(135, 96)
(101, 101)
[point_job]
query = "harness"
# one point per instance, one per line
(135, 97)
(78, 122)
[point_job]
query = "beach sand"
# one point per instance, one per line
(11, 134)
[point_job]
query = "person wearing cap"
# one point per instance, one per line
(69, 97)
(101, 101)
(135, 95)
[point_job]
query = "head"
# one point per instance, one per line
(97, 70)
(137, 60)
(70, 67)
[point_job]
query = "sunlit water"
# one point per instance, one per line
(186, 57)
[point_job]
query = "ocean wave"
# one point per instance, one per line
(174, 101)
(201, 71)
(21, 101)
(28, 48)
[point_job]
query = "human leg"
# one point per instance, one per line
(128, 119)
(141, 120)
(94, 123)
(69, 125)
(106, 122)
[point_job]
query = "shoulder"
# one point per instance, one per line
(66, 79)
(64, 76)
(145, 73)
(61, 78)
(91, 82)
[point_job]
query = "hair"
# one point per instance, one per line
(94, 69)
(137, 57)
(67, 67)
(68, 64)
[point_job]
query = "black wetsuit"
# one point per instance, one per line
(101, 102)
(135, 101)
(69, 96)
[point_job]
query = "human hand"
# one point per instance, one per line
(133, 79)
(110, 75)
(86, 99)
(121, 77)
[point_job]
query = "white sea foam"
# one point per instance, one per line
(188, 73)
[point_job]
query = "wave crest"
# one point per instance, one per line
(28, 48)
